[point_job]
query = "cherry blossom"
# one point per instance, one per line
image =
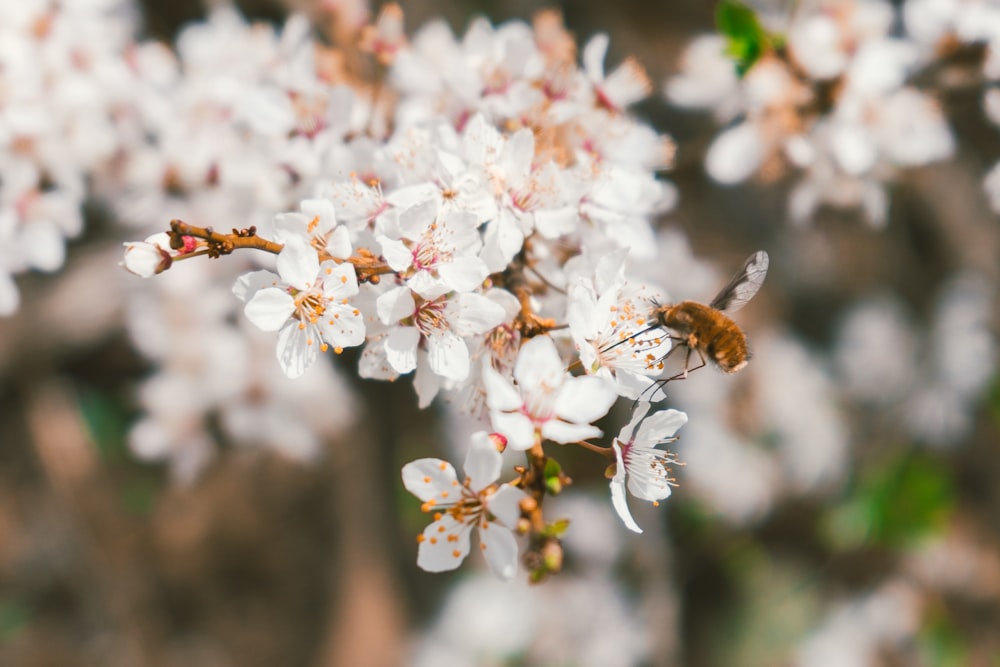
(460, 506)
(306, 302)
(640, 465)
(612, 331)
(439, 325)
(437, 253)
(149, 257)
(546, 403)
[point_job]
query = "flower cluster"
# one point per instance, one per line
(63, 79)
(487, 245)
(829, 94)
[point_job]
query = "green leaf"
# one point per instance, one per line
(556, 529)
(746, 39)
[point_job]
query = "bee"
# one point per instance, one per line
(708, 330)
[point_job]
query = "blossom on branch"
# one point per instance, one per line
(306, 302)
(643, 468)
(460, 506)
(545, 402)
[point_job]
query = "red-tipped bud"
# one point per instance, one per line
(499, 441)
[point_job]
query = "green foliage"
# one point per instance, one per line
(894, 504)
(746, 39)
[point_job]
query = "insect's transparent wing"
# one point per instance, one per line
(744, 284)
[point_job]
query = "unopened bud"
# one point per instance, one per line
(499, 441)
(149, 257)
(552, 556)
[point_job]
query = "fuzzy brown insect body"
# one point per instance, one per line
(707, 329)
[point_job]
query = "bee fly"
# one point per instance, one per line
(708, 330)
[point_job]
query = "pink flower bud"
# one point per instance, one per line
(499, 441)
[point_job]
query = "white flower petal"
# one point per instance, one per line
(298, 263)
(640, 411)
(503, 239)
(297, 348)
(735, 154)
(339, 243)
(593, 56)
(500, 394)
(323, 211)
(401, 348)
(584, 399)
(538, 363)
(505, 504)
(516, 427)
(650, 487)
(464, 274)
(618, 494)
(395, 304)
(445, 545)
(500, 549)
(564, 432)
(517, 156)
(270, 308)
(483, 462)
(426, 382)
(474, 314)
(415, 219)
(248, 284)
(448, 356)
(659, 426)
(396, 254)
(343, 326)
(427, 478)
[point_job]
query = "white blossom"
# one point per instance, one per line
(546, 403)
(306, 302)
(460, 506)
(640, 465)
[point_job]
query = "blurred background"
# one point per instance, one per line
(839, 504)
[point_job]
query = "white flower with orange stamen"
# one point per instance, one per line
(459, 506)
(316, 222)
(640, 463)
(613, 335)
(306, 302)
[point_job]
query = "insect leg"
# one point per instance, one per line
(687, 359)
